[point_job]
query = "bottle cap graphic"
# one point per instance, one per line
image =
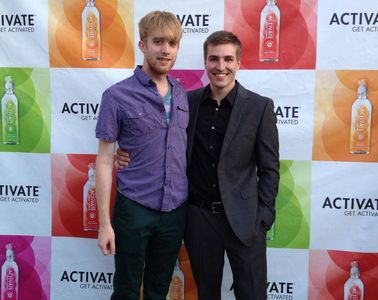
(8, 82)
(91, 169)
(362, 86)
(354, 270)
(9, 249)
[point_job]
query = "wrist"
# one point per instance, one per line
(105, 225)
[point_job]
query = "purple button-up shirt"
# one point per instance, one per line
(132, 113)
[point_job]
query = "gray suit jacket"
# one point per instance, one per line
(248, 168)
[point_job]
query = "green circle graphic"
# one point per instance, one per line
(33, 131)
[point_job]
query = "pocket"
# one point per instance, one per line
(140, 120)
(182, 116)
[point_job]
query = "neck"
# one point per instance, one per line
(219, 93)
(163, 88)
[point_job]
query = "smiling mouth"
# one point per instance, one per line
(220, 75)
(163, 59)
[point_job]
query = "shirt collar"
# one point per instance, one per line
(142, 76)
(230, 97)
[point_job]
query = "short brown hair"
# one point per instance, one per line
(222, 37)
(162, 21)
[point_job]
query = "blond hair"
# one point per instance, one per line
(160, 21)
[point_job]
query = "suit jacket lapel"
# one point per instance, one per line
(194, 103)
(238, 109)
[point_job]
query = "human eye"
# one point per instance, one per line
(172, 43)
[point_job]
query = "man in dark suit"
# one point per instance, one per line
(233, 175)
(233, 170)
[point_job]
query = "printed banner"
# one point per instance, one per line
(342, 275)
(317, 61)
(97, 35)
(25, 271)
(25, 194)
(275, 34)
(347, 35)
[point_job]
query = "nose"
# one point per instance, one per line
(166, 47)
(221, 64)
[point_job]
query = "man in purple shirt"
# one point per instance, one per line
(146, 114)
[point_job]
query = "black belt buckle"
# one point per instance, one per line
(216, 207)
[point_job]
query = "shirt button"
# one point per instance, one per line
(212, 127)
(213, 165)
(211, 147)
(214, 185)
(217, 109)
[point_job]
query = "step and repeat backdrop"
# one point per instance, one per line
(317, 59)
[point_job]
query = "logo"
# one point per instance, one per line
(10, 282)
(89, 280)
(280, 290)
(358, 21)
(366, 207)
(194, 23)
(19, 193)
(17, 23)
(86, 111)
(287, 115)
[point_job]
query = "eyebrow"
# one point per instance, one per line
(225, 57)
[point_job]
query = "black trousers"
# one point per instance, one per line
(208, 237)
(147, 245)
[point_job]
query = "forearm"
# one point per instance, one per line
(104, 176)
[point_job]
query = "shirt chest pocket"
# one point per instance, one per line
(140, 120)
(182, 116)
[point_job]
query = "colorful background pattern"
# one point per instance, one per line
(327, 206)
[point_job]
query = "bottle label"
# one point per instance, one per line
(91, 41)
(92, 31)
(10, 121)
(91, 215)
(269, 37)
(10, 285)
(354, 293)
(176, 291)
(360, 129)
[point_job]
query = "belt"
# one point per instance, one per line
(214, 207)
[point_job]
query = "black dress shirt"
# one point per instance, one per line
(210, 129)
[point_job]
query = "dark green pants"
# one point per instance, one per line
(147, 245)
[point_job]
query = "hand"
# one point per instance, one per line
(106, 240)
(266, 227)
(122, 159)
